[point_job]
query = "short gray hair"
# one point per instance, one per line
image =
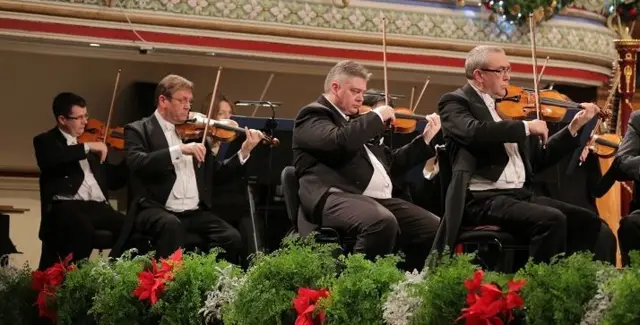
(477, 58)
(346, 68)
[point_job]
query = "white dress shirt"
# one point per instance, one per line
(89, 189)
(184, 195)
(514, 174)
(380, 186)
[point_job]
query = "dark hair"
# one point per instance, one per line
(373, 96)
(216, 105)
(63, 103)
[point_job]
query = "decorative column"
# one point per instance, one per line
(628, 52)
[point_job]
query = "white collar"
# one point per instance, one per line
(336, 108)
(68, 137)
(482, 94)
(166, 125)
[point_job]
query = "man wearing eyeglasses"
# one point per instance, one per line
(172, 180)
(499, 158)
(74, 183)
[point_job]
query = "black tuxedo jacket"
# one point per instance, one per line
(153, 173)
(467, 123)
(626, 165)
(61, 174)
(328, 151)
(475, 146)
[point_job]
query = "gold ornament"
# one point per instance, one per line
(460, 3)
(493, 18)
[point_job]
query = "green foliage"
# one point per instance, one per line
(366, 283)
(556, 293)
(17, 297)
(75, 295)
(442, 293)
(625, 290)
(186, 293)
(115, 303)
(271, 284)
(517, 11)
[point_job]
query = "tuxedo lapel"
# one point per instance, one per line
(156, 134)
(340, 121)
(478, 107)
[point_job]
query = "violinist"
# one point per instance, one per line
(345, 180)
(503, 155)
(173, 180)
(75, 179)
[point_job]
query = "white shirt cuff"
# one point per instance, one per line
(175, 153)
(379, 115)
(242, 159)
(526, 128)
(86, 148)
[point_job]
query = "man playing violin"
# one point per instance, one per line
(75, 180)
(345, 181)
(174, 179)
(503, 155)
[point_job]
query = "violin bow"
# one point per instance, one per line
(264, 92)
(113, 99)
(213, 96)
(542, 70)
(535, 64)
(413, 108)
(413, 91)
(384, 59)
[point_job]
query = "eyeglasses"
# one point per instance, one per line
(183, 101)
(80, 117)
(501, 70)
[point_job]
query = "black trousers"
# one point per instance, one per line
(551, 226)
(75, 223)
(380, 225)
(169, 230)
(629, 235)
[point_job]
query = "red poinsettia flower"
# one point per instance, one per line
(488, 305)
(47, 283)
(149, 286)
(304, 304)
(152, 283)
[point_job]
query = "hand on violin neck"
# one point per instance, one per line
(99, 148)
(386, 113)
(539, 128)
(197, 150)
(432, 127)
(253, 137)
(583, 117)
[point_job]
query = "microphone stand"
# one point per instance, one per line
(269, 129)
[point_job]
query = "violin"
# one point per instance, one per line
(405, 121)
(220, 130)
(95, 131)
(520, 104)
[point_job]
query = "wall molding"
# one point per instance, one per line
(19, 184)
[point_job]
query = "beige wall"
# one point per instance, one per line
(31, 80)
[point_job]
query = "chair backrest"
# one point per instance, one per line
(290, 187)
